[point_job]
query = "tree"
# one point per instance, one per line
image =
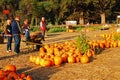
(103, 6)
(11, 5)
(78, 8)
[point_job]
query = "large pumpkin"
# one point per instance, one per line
(57, 60)
(84, 59)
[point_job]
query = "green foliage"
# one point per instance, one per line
(116, 36)
(82, 44)
(34, 29)
(0, 30)
(95, 27)
(79, 28)
(57, 29)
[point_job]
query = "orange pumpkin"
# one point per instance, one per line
(42, 62)
(42, 49)
(29, 77)
(77, 59)
(37, 61)
(47, 63)
(10, 68)
(71, 59)
(107, 44)
(52, 61)
(118, 43)
(57, 60)
(84, 59)
(22, 75)
(64, 57)
(89, 53)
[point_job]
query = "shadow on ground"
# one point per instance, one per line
(25, 52)
(40, 73)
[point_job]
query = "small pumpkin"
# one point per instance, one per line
(29, 77)
(10, 68)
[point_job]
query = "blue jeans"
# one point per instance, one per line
(17, 40)
(27, 35)
(9, 42)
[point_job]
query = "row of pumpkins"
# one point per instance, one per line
(58, 53)
(107, 41)
(67, 52)
(9, 73)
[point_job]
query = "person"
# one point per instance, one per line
(43, 27)
(26, 29)
(8, 34)
(16, 32)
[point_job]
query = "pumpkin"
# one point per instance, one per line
(13, 75)
(1, 72)
(57, 60)
(42, 62)
(64, 57)
(71, 59)
(52, 61)
(118, 43)
(77, 59)
(84, 59)
(107, 44)
(42, 49)
(89, 53)
(22, 75)
(37, 61)
(47, 63)
(29, 77)
(10, 68)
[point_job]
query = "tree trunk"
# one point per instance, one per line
(32, 21)
(103, 19)
(36, 21)
(81, 20)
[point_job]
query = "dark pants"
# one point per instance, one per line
(9, 42)
(17, 40)
(27, 35)
(43, 34)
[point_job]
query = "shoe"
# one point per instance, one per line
(16, 53)
(10, 50)
(7, 51)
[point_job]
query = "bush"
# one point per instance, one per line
(1, 31)
(79, 28)
(57, 29)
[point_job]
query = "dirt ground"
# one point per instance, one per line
(105, 66)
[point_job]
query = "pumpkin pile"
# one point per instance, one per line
(9, 73)
(66, 52)
(107, 41)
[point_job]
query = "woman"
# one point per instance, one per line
(43, 27)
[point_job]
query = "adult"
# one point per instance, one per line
(26, 29)
(16, 32)
(8, 34)
(43, 27)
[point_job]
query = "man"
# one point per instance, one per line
(43, 27)
(16, 32)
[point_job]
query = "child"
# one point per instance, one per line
(26, 29)
(8, 33)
